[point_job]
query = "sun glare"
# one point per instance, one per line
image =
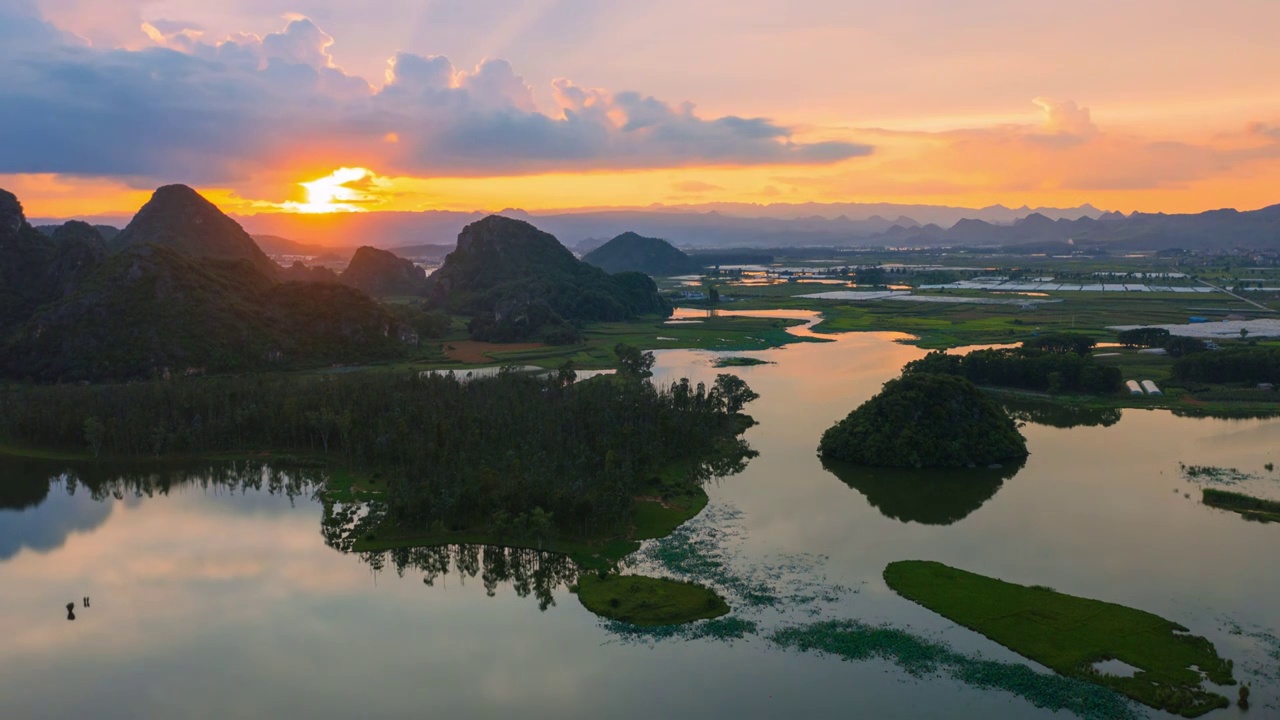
(346, 190)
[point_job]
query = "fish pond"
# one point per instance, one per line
(218, 590)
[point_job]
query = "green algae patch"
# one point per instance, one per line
(647, 601)
(1070, 634)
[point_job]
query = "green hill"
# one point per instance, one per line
(380, 273)
(180, 218)
(926, 420)
(630, 252)
(520, 283)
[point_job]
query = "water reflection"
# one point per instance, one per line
(529, 572)
(43, 502)
(929, 497)
(1059, 415)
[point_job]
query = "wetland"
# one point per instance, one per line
(231, 565)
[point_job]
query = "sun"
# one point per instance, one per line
(345, 190)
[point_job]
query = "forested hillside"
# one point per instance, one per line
(519, 282)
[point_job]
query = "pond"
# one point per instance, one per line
(213, 592)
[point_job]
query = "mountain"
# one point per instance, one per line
(635, 253)
(79, 249)
(301, 272)
(423, 253)
(710, 225)
(150, 310)
(36, 269)
(380, 273)
(1213, 230)
(108, 232)
(178, 217)
(520, 283)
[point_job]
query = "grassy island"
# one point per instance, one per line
(1070, 634)
(648, 601)
(1247, 506)
(739, 361)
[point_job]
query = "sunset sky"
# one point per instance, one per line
(1152, 105)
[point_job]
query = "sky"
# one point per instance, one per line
(321, 105)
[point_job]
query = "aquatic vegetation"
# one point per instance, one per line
(1214, 475)
(854, 641)
(1247, 506)
(640, 600)
(723, 629)
(1069, 634)
(701, 550)
(739, 361)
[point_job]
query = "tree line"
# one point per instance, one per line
(453, 454)
(1238, 365)
(1025, 368)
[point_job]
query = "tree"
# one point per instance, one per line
(733, 392)
(632, 362)
(1244, 333)
(540, 525)
(1180, 345)
(94, 433)
(566, 375)
(1145, 337)
(713, 295)
(869, 276)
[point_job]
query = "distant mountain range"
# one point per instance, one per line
(429, 235)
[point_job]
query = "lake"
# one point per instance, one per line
(213, 602)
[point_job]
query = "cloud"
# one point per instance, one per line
(192, 109)
(1066, 118)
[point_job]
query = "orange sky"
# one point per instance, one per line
(1166, 106)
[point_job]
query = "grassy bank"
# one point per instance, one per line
(647, 601)
(1069, 634)
(1249, 507)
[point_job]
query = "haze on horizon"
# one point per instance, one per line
(321, 106)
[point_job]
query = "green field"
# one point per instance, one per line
(647, 601)
(1070, 634)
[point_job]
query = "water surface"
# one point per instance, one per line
(208, 601)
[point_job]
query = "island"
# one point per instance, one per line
(926, 420)
(1071, 635)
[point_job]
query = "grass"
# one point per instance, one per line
(1249, 507)
(1069, 634)
(647, 601)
